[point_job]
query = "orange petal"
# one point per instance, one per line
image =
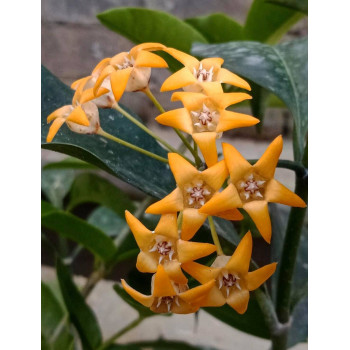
(61, 112)
(206, 142)
(214, 298)
(224, 100)
(232, 120)
(184, 58)
(182, 170)
(143, 235)
(192, 295)
(220, 202)
(167, 226)
(147, 46)
(225, 76)
(240, 260)
(146, 262)
(184, 308)
(173, 269)
(119, 80)
(213, 87)
(104, 74)
(192, 220)
(78, 116)
(235, 162)
(215, 175)
(200, 272)
(189, 251)
(259, 212)
(177, 118)
(119, 59)
(266, 165)
(277, 193)
(215, 62)
(238, 300)
(88, 95)
(191, 100)
(162, 284)
(145, 300)
(57, 123)
(172, 203)
(101, 66)
(181, 78)
(149, 59)
(256, 278)
(79, 90)
(233, 214)
(76, 83)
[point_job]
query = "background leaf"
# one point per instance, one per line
(80, 313)
(281, 69)
(70, 163)
(299, 5)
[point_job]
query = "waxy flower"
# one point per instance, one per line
(205, 118)
(194, 189)
(233, 282)
(198, 76)
(131, 71)
(168, 296)
(163, 246)
(252, 187)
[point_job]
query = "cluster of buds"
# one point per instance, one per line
(167, 252)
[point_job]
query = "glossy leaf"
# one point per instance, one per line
(129, 165)
(281, 69)
(70, 163)
(80, 313)
(78, 230)
(217, 27)
(298, 5)
(95, 189)
(55, 331)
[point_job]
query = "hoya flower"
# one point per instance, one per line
(168, 296)
(163, 246)
(194, 189)
(233, 281)
(131, 71)
(205, 118)
(253, 186)
(197, 75)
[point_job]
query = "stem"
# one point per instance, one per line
(299, 168)
(149, 94)
(130, 145)
(179, 220)
(124, 330)
(215, 236)
(93, 279)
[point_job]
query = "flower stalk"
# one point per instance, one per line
(215, 236)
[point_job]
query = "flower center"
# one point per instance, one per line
(167, 302)
(196, 194)
(205, 119)
(229, 280)
(251, 187)
(164, 249)
(127, 63)
(203, 75)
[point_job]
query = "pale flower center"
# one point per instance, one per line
(228, 281)
(197, 194)
(252, 187)
(128, 62)
(203, 75)
(164, 249)
(204, 119)
(168, 302)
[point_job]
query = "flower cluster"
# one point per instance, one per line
(223, 189)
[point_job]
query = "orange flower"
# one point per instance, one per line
(205, 118)
(252, 187)
(131, 71)
(163, 246)
(194, 189)
(198, 76)
(168, 296)
(233, 282)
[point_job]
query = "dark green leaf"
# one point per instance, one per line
(129, 165)
(80, 313)
(281, 69)
(267, 22)
(55, 331)
(217, 27)
(299, 329)
(298, 5)
(70, 163)
(93, 188)
(72, 227)
(56, 184)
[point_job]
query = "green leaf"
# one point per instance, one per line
(217, 27)
(129, 165)
(56, 184)
(299, 329)
(80, 313)
(95, 189)
(70, 163)
(281, 69)
(55, 331)
(144, 25)
(298, 5)
(267, 22)
(78, 230)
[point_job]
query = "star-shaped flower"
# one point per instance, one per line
(194, 189)
(163, 246)
(252, 187)
(168, 296)
(131, 71)
(233, 282)
(197, 75)
(205, 118)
